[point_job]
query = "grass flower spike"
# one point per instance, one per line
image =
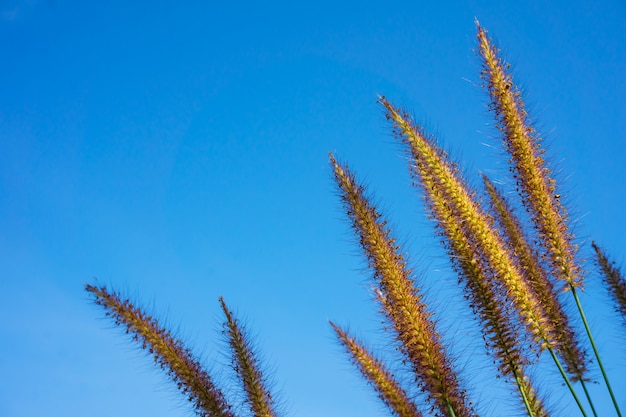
(535, 185)
(372, 369)
(568, 346)
(614, 281)
(480, 257)
(168, 352)
(513, 276)
(247, 368)
(441, 181)
(416, 332)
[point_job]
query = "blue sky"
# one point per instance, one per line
(179, 152)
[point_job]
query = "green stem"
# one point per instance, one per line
(593, 409)
(523, 392)
(450, 410)
(595, 349)
(567, 381)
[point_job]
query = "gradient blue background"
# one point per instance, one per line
(179, 152)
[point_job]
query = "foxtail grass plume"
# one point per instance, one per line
(247, 368)
(168, 352)
(568, 346)
(510, 283)
(374, 372)
(613, 279)
(440, 180)
(415, 329)
(535, 185)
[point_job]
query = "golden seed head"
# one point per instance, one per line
(404, 308)
(168, 352)
(247, 368)
(533, 177)
(383, 381)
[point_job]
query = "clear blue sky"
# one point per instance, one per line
(178, 152)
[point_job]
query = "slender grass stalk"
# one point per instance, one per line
(557, 362)
(419, 340)
(613, 279)
(374, 372)
(247, 368)
(595, 351)
(535, 185)
(168, 352)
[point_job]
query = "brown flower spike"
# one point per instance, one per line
(613, 279)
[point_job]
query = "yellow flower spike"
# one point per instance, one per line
(246, 365)
(415, 330)
(499, 329)
(373, 370)
(438, 177)
(535, 185)
(567, 346)
(168, 352)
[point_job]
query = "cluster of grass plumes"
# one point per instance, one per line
(514, 275)
(182, 367)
